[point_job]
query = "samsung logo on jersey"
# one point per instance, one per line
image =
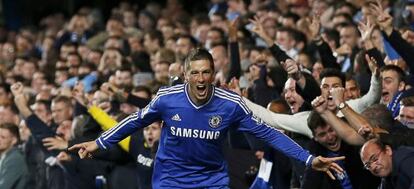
(195, 133)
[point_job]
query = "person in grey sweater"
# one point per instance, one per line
(330, 78)
(13, 168)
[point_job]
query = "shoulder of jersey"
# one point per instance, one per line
(170, 90)
(231, 97)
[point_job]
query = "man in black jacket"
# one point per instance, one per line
(394, 166)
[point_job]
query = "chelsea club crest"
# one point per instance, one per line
(214, 121)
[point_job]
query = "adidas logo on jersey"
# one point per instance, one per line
(176, 117)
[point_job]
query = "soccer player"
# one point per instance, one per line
(196, 117)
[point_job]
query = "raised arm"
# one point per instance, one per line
(235, 67)
(295, 123)
(374, 93)
(400, 45)
(258, 29)
(328, 60)
(348, 134)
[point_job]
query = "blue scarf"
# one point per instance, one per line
(394, 105)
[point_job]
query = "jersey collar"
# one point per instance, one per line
(191, 102)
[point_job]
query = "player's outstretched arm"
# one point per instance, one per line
(85, 149)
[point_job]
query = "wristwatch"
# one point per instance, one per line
(341, 106)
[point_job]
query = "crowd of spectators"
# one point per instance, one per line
(334, 75)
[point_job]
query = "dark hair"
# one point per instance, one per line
(291, 15)
(142, 89)
(332, 72)
(407, 101)
(349, 77)
(221, 32)
(282, 102)
(12, 128)
(192, 40)
(299, 36)
(198, 54)
(332, 34)
(346, 4)
(155, 34)
(352, 25)
(398, 70)
(379, 116)
(315, 121)
(289, 31)
(347, 17)
(46, 103)
(221, 15)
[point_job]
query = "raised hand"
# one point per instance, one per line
(366, 29)
(372, 64)
(384, 20)
(292, 68)
(260, 31)
(338, 95)
(20, 99)
(320, 104)
(78, 94)
(314, 26)
(326, 164)
(369, 132)
(85, 149)
(17, 89)
(233, 28)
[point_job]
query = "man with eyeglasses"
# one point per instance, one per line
(394, 166)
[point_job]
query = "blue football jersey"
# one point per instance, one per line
(189, 153)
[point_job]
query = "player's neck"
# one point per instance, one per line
(200, 102)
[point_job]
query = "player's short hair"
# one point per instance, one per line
(198, 54)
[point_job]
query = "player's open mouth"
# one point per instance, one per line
(330, 97)
(201, 89)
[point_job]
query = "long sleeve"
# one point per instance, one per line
(296, 123)
(135, 121)
(279, 141)
(38, 128)
(278, 53)
(235, 67)
(368, 99)
(311, 90)
(327, 58)
(106, 123)
(403, 48)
